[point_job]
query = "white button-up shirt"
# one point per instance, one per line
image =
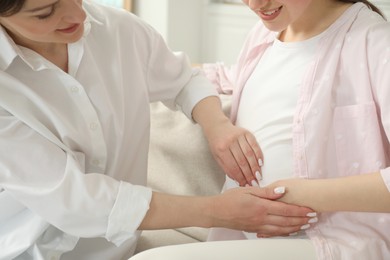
(73, 147)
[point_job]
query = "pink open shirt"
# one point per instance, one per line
(341, 124)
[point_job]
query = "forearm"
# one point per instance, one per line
(208, 112)
(249, 209)
(364, 193)
(171, 211)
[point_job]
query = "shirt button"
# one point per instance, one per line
(93, 126)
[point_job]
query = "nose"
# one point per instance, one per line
(74, 12)
(257, 4)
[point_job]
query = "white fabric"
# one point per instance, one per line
(269, 107)
(71, 144)
(270, 102)
(267, 249)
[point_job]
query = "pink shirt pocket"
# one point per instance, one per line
(358, 139)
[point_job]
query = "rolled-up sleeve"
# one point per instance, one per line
(52, 184)
(131, 201)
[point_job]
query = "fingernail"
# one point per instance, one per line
(261, 162)
(293, 234)
(258, 176)
(255, 184)
(305, 227)
(312, 214)
(313, 220)
(247, 185)
(280, 190)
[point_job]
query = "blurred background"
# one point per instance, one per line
(207, 30)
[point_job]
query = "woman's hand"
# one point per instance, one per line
(234, 148)
(256, 210)
(236, 151)
(250, 209)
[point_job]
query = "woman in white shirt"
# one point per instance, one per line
(312, 84)
(76, 82)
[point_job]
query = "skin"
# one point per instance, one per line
(47, 26)
(300, 20)
(341, 194)
(251, 209)
(235, 149)
(38, 27)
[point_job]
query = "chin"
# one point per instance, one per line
(274, 27)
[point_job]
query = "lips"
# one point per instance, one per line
(70, 29)
(269, 14)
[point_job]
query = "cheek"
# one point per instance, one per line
(39, 28)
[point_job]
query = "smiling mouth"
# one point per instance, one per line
(271, 12)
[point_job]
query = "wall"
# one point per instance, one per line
(206, 32)
(178, 21)
(384, 5)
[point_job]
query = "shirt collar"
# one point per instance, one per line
(10, 50)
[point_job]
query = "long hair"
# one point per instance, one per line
(366, 2)
(10, 7)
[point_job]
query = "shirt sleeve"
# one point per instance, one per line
(52, 183)
(172, 80)
(378, 53)
(220, 76)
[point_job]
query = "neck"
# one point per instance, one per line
(316, 19)
(57, 53)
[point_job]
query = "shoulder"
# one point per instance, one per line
(115, 20)
(373, 31)
(368, 23)
(363, 33)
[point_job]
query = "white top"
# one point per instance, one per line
(71, 144)
(269, 104)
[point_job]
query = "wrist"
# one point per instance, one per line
(210, 212)
(215, 123)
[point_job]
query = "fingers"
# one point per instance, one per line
(248, 156)
(231, 168)
(238, 153)
(285, 226)
(255, 210)
(243, 156)
(258, 160)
